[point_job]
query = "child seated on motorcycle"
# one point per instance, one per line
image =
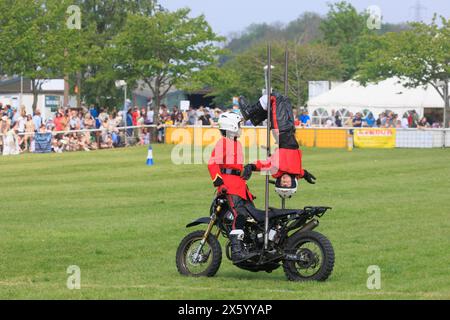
(226, 167)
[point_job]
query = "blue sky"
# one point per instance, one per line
(227, 16)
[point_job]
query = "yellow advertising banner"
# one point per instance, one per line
(374, 138)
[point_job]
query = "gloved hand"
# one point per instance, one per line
(218, 182)
(247, 173)
(309, 177)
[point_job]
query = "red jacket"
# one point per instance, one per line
(283, 161)
(227, 154)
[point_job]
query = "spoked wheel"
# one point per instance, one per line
(312, 257)
(197, 260)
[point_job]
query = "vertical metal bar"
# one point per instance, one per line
(446, 106)
(286, 67)
(286, 93)
(269, 109)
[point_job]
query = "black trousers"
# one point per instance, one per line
(237, 205)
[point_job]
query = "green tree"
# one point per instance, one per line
(107, 18)
(164, 50)
(37, 42)
(244, 74)
(419, 56)
(343, 28)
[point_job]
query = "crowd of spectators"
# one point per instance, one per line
(97, 128)
(386, 119)
(73, 129)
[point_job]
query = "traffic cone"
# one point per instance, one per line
(150, 156)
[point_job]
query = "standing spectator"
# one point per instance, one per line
(204, 118)
(9, 112)
(141, 131)
(103, 116)
(94, 113)
(405, 122)
(89, 122)
(369, 120)
(149, 120)
(296, 119)
(59, 122)
(11, 142)
(4, 128)
(129, 119)
(135, 116)
(21, 121)
(164, 115)
(192, 116)
(29, 133)
(217, 113)
(305, 119)
(15, 116)
(144, 115)
(49, 124)
(357, 120)
(74, 121)
(37, 119)
(174, 114)
(338, 121)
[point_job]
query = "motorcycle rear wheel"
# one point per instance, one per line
(206, 264)
(317, 257)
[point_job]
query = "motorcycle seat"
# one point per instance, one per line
(260, 215)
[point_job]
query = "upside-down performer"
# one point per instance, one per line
(285, 164)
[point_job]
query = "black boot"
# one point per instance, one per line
(255, 113)
(238, 251)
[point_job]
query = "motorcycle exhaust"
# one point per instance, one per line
(309, 226)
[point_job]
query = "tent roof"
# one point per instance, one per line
(387, 94)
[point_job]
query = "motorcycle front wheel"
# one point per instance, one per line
(196, 260)
(314, 257)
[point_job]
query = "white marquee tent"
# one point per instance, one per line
(389, 94)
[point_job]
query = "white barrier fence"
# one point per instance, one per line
(422, 138)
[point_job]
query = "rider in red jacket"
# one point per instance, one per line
(226, 168)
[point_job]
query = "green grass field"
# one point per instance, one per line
(121, 222)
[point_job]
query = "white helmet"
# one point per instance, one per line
(286, 192)
(230, 122)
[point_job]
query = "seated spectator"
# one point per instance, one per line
(423, 123)
(329, 123)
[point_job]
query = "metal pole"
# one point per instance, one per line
(446, 107)
(269, 107)
(446, 104)
(125, 114)
(286, 94)
(286, 79)
(21, 92)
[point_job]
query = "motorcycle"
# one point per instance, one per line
(306, 255)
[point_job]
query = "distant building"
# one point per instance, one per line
(17, 92)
